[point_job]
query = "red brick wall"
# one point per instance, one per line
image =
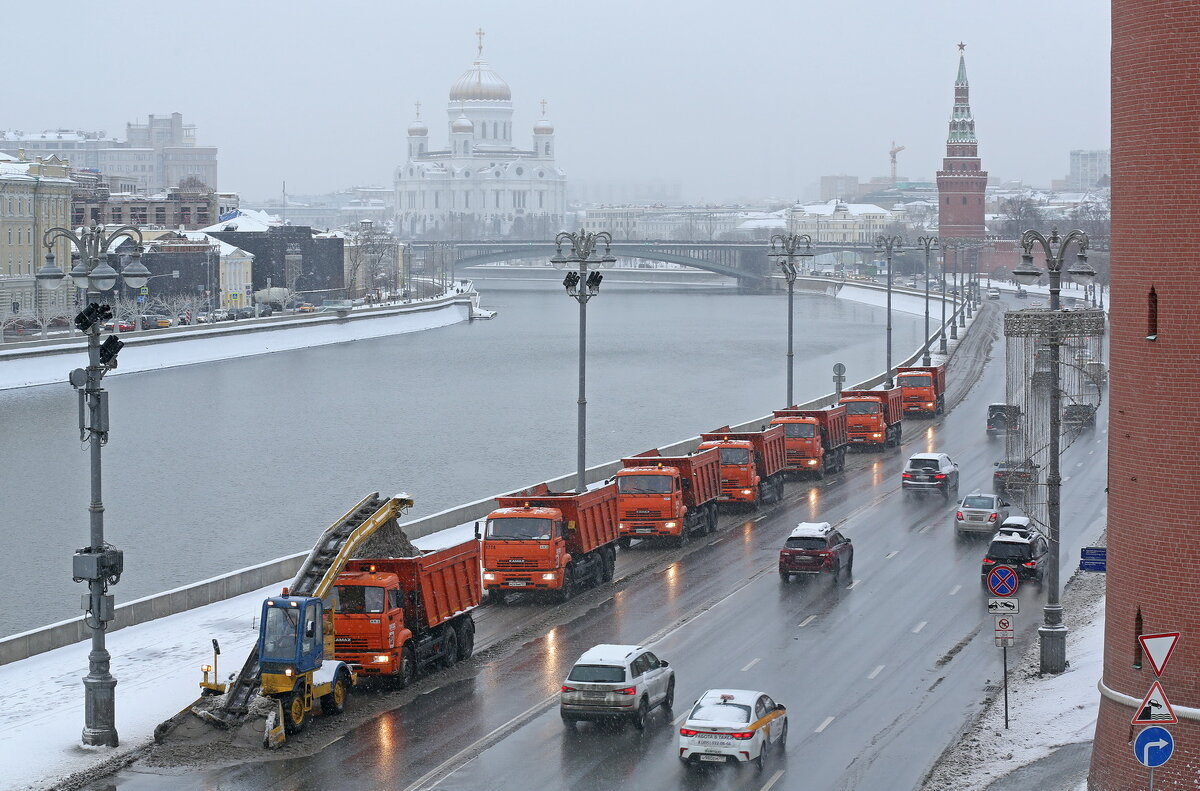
(1154, 417)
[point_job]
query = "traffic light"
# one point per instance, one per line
(95, 313)
(109, 349)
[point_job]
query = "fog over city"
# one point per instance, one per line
(731, 100)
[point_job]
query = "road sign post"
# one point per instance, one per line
(1093, 559)
(1153, 747)
(1002, 581)
(1004, 606)
(1006, 628)
(839, 377)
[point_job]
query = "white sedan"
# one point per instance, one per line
(733, 726)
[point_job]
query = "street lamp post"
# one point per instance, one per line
(929, 242)
(785, 254)
(889, 244)
(582, 285)
(99, 563)
(942, 348)
(1052, 634)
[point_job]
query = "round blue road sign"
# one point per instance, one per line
(1153, 746)
(1002, 581)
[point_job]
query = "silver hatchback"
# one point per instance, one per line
(980, 514)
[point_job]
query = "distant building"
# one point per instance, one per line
(288, 256)
(34, 197)
(839, 188)
(154, 157)
(191, 205)
(834, 222)
(1089, 169)
(480, 185)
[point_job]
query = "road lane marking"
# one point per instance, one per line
(823, 725)
(955, 589)
(875, 672)
(1066, 478)
(1080, 464)
(714, 542)
(923, 529)
(759, 519)
(774, 779)
(919, 627)
(753, 662)
(1090, 452)
(807, 620)
(891, 554)
(852, 584)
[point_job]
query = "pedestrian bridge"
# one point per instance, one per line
(747, 262)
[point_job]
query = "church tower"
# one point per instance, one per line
(961, 183)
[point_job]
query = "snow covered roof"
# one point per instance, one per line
(828, 209)
(246, 220)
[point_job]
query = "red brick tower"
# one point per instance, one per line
(960, 182)
(1154, 399)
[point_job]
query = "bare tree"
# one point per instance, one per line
(1020, 214)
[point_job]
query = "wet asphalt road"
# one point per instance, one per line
(879, 673)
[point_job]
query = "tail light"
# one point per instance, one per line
(906, 475)
(993, 516)
(939, 476)
(687, 732)
(565, 688)
(1030, 565)
(743, 735)
(958, 515)
(986, 562)
(626, 691)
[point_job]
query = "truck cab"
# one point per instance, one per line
(370, 615)
(524, 548)
(923, 389)
(864, 416)
(651, 501)
(739, 470)
(802, 438)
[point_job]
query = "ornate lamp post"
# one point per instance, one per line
(1052, 633)
(99, 563)
(785, 254)
(889, 244)
(581, 286)
(929, 242)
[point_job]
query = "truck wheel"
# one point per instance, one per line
(785, 577)
(449, 648)
(712, 519)
(568, 585)
(335, 701)
(779, 489)
(466, 638)
(408, 667)
(295, 715)
(496, 595)
(819, 474)
(623, 542)
(609, 561)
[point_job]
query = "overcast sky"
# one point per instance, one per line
(734, 100)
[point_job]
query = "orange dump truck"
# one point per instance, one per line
(874, 417)
(542, 541)
(815, 439)
(752, 463)
(668, 497)
(923, 388)
(400, 616)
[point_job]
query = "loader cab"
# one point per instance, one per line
(291, 638)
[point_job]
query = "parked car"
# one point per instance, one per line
(220, 314)
(980, 513)
(1021, 548)
(153, 321)
(1010, 476)
(813, 549)
(616, 682)
(929, 473)
(731, 726)
(241, 313)
(306, 307)
(118, 325)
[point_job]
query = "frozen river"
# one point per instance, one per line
(222, 465)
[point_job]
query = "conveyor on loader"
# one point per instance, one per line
(315, 578)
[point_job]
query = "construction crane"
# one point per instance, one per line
(895, 150)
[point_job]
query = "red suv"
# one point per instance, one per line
(816, 548)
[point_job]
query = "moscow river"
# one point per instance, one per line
(219, 466)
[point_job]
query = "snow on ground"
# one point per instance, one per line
(1045, 712)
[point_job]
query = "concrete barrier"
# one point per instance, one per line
(280, 570)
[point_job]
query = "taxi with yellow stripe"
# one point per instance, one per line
(733, 726)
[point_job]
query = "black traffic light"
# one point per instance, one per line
(109, 349)
(95, 313)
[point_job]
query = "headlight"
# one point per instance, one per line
(669, 524)
(489, 576)
(380, 659)
(876, 436)
(206, 669)
(812, 462)
(747, 491)
(620, 525)
(550, 576)
(287, 671)
(929, 406)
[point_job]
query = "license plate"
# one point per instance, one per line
(720, 758)
(516, 583)
(594, 695)
(644, 530)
